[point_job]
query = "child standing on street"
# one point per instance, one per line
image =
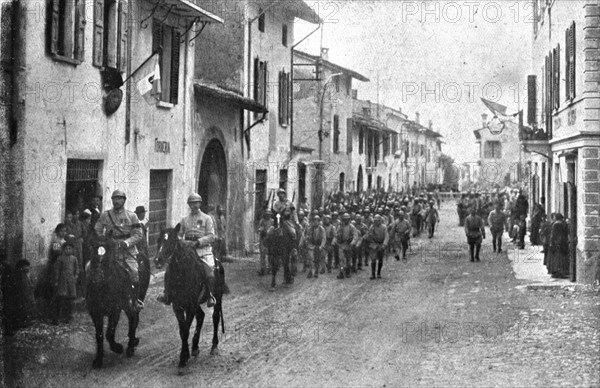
(66, 271)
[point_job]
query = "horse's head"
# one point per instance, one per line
(166, 245)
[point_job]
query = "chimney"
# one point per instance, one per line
(430, 125)
(354, 94)
(417, 118)
(325, 53)
(484, 117)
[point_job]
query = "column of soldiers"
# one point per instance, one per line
(353, 231)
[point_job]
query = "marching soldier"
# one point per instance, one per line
(347, 238)
(263, 227)
(359, 249)
(432, 217)
(124, 226)
(400, 235)
(314, 242)
(329, 241)
(378, 239)
(303, 224)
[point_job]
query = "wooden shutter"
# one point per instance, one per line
(256, 79)
(567, 63)
(288, 91)
(531, 99)
(176, 37)
(265, 83)
(349, 125)
(557, 77)
(53, 30)
(156, 36)
(572, 55)
(122, 37)
(80, 30)
(98, 33)
(281, 97)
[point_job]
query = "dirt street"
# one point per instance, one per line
(437, 320)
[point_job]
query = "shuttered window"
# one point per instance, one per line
(66, 30)
(284, 98)
(110, 34)
(492, 150)
(531, 99)
(336, 134)
(260, 82)
(556, 83)
(570, 62)
(361, 141)
(349, 129)
(166, 40)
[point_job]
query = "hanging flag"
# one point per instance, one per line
(498, 110)
(148, 84)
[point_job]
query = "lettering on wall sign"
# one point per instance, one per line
(162, 146)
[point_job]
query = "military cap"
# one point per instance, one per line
(315, 212)
(118, 193)
(268, 211)
(345, 216)
(377, 217)
(316, 218)
(281, 191)
(194, 197)
(326, 215)
(335, 214)
(300, 212)
(140, 209)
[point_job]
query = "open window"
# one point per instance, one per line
(166, 40)
(110, 34)
(66, 30)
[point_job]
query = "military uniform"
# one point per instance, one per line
(263, 227)
(347, 237)
(329, 243)
(400, 235)
(378, 238)
(314, 242)
(124, 225)
(359, 249)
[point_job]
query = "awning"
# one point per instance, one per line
(188, 9)
(372, 124)
(214, 91)
(332, 66)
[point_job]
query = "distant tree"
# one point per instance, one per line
(450, 170)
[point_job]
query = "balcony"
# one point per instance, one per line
(534, 140)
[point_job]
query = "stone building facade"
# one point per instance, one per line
(563, 133)
(76, 129)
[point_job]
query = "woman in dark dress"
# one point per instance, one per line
(558, 255)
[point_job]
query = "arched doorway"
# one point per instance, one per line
(359, 180)
(212, 183)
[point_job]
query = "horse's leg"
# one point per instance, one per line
(214, 350)
(196, 338)
(185, 319)
(134, 320)
(98, 320)
(113, 321)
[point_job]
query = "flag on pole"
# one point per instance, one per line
(498, 110)
(148, 84)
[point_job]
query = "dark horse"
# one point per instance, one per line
(283, 251)
(184, 288)
(108, 292)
